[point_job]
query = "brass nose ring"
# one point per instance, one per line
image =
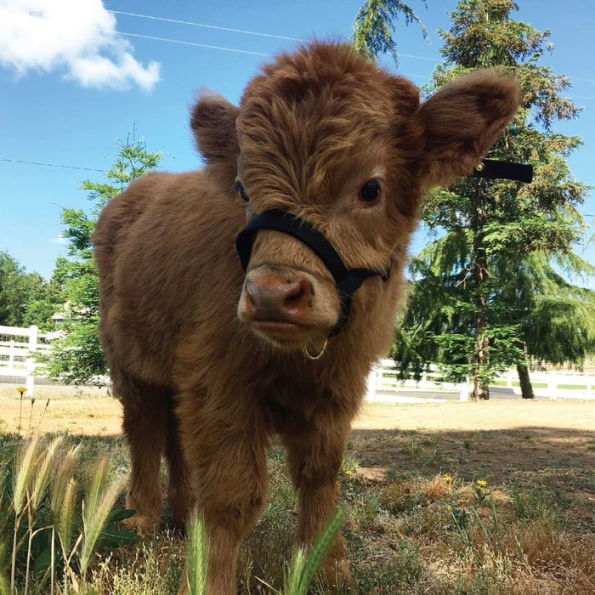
(314, 357)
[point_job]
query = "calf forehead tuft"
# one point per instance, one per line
(322, 70)
(311, 108)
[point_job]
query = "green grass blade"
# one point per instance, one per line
(97, 506)
(304, 567)
(25, 465)
(43, 471)
(197, 556)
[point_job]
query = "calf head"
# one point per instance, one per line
(346, 149)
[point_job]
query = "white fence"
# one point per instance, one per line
(384, 386)
(18, 345)
(17, 348)
(560, 384)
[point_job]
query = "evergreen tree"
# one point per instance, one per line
(77, 358)
(491, 290)
(374, 26)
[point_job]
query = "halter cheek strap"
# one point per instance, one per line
(346, 280)
(508, 170)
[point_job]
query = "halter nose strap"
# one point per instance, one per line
(347, 281)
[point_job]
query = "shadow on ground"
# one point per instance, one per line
(560, 462)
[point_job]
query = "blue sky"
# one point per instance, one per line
(81, 83)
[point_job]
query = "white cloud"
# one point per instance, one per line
(59, 239)
(75, 36)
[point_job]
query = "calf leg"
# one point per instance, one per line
(315, 458)
(145, 422)
(226, 455)
(179, 480)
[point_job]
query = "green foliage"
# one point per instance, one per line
(492, 288)
(77, 357)
(374, 26)
(25, 298)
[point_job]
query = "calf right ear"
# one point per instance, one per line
(213, 121)
(461, 122)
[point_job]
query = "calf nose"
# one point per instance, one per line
(274, 298)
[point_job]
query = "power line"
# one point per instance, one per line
(228, 49)
(6, 159)
(204, 25)
(63, 166)
(257, 33)
(232, 30)
(417, 57)
(193, 43)
(580, 78)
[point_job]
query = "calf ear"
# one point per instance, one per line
(213, 121)
(462, 120)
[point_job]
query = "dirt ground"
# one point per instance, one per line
(91, 412)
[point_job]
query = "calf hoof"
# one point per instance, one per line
(179, 504)
(142, 523)
(335, 575)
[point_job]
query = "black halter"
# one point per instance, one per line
(347, 280)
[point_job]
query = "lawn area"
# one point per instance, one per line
(477, 498)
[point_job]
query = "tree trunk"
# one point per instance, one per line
(481, 389)
(525, 381)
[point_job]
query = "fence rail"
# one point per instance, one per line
(17, 353)
(384, 385)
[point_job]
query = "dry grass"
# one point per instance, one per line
(417, 519)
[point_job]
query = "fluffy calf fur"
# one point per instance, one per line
(200, 379)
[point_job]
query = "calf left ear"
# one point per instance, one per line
(461, 122)
(213, 121)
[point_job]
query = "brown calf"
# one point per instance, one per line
(209, 360)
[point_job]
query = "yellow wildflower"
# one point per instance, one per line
(448, 479)
(482, 483)
(21, 389)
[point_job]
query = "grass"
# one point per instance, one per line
(418, 516)
(54, 528)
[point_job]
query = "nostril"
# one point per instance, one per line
(251, 291)
(296, 293)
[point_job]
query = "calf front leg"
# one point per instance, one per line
(315, 458)
(145, 413)
(228, 481)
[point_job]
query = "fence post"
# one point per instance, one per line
(11, 354)
(371, 384)
(30, 382)
(465, 390)
(552, 387)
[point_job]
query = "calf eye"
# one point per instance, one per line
(241, 191)
(370, 191)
